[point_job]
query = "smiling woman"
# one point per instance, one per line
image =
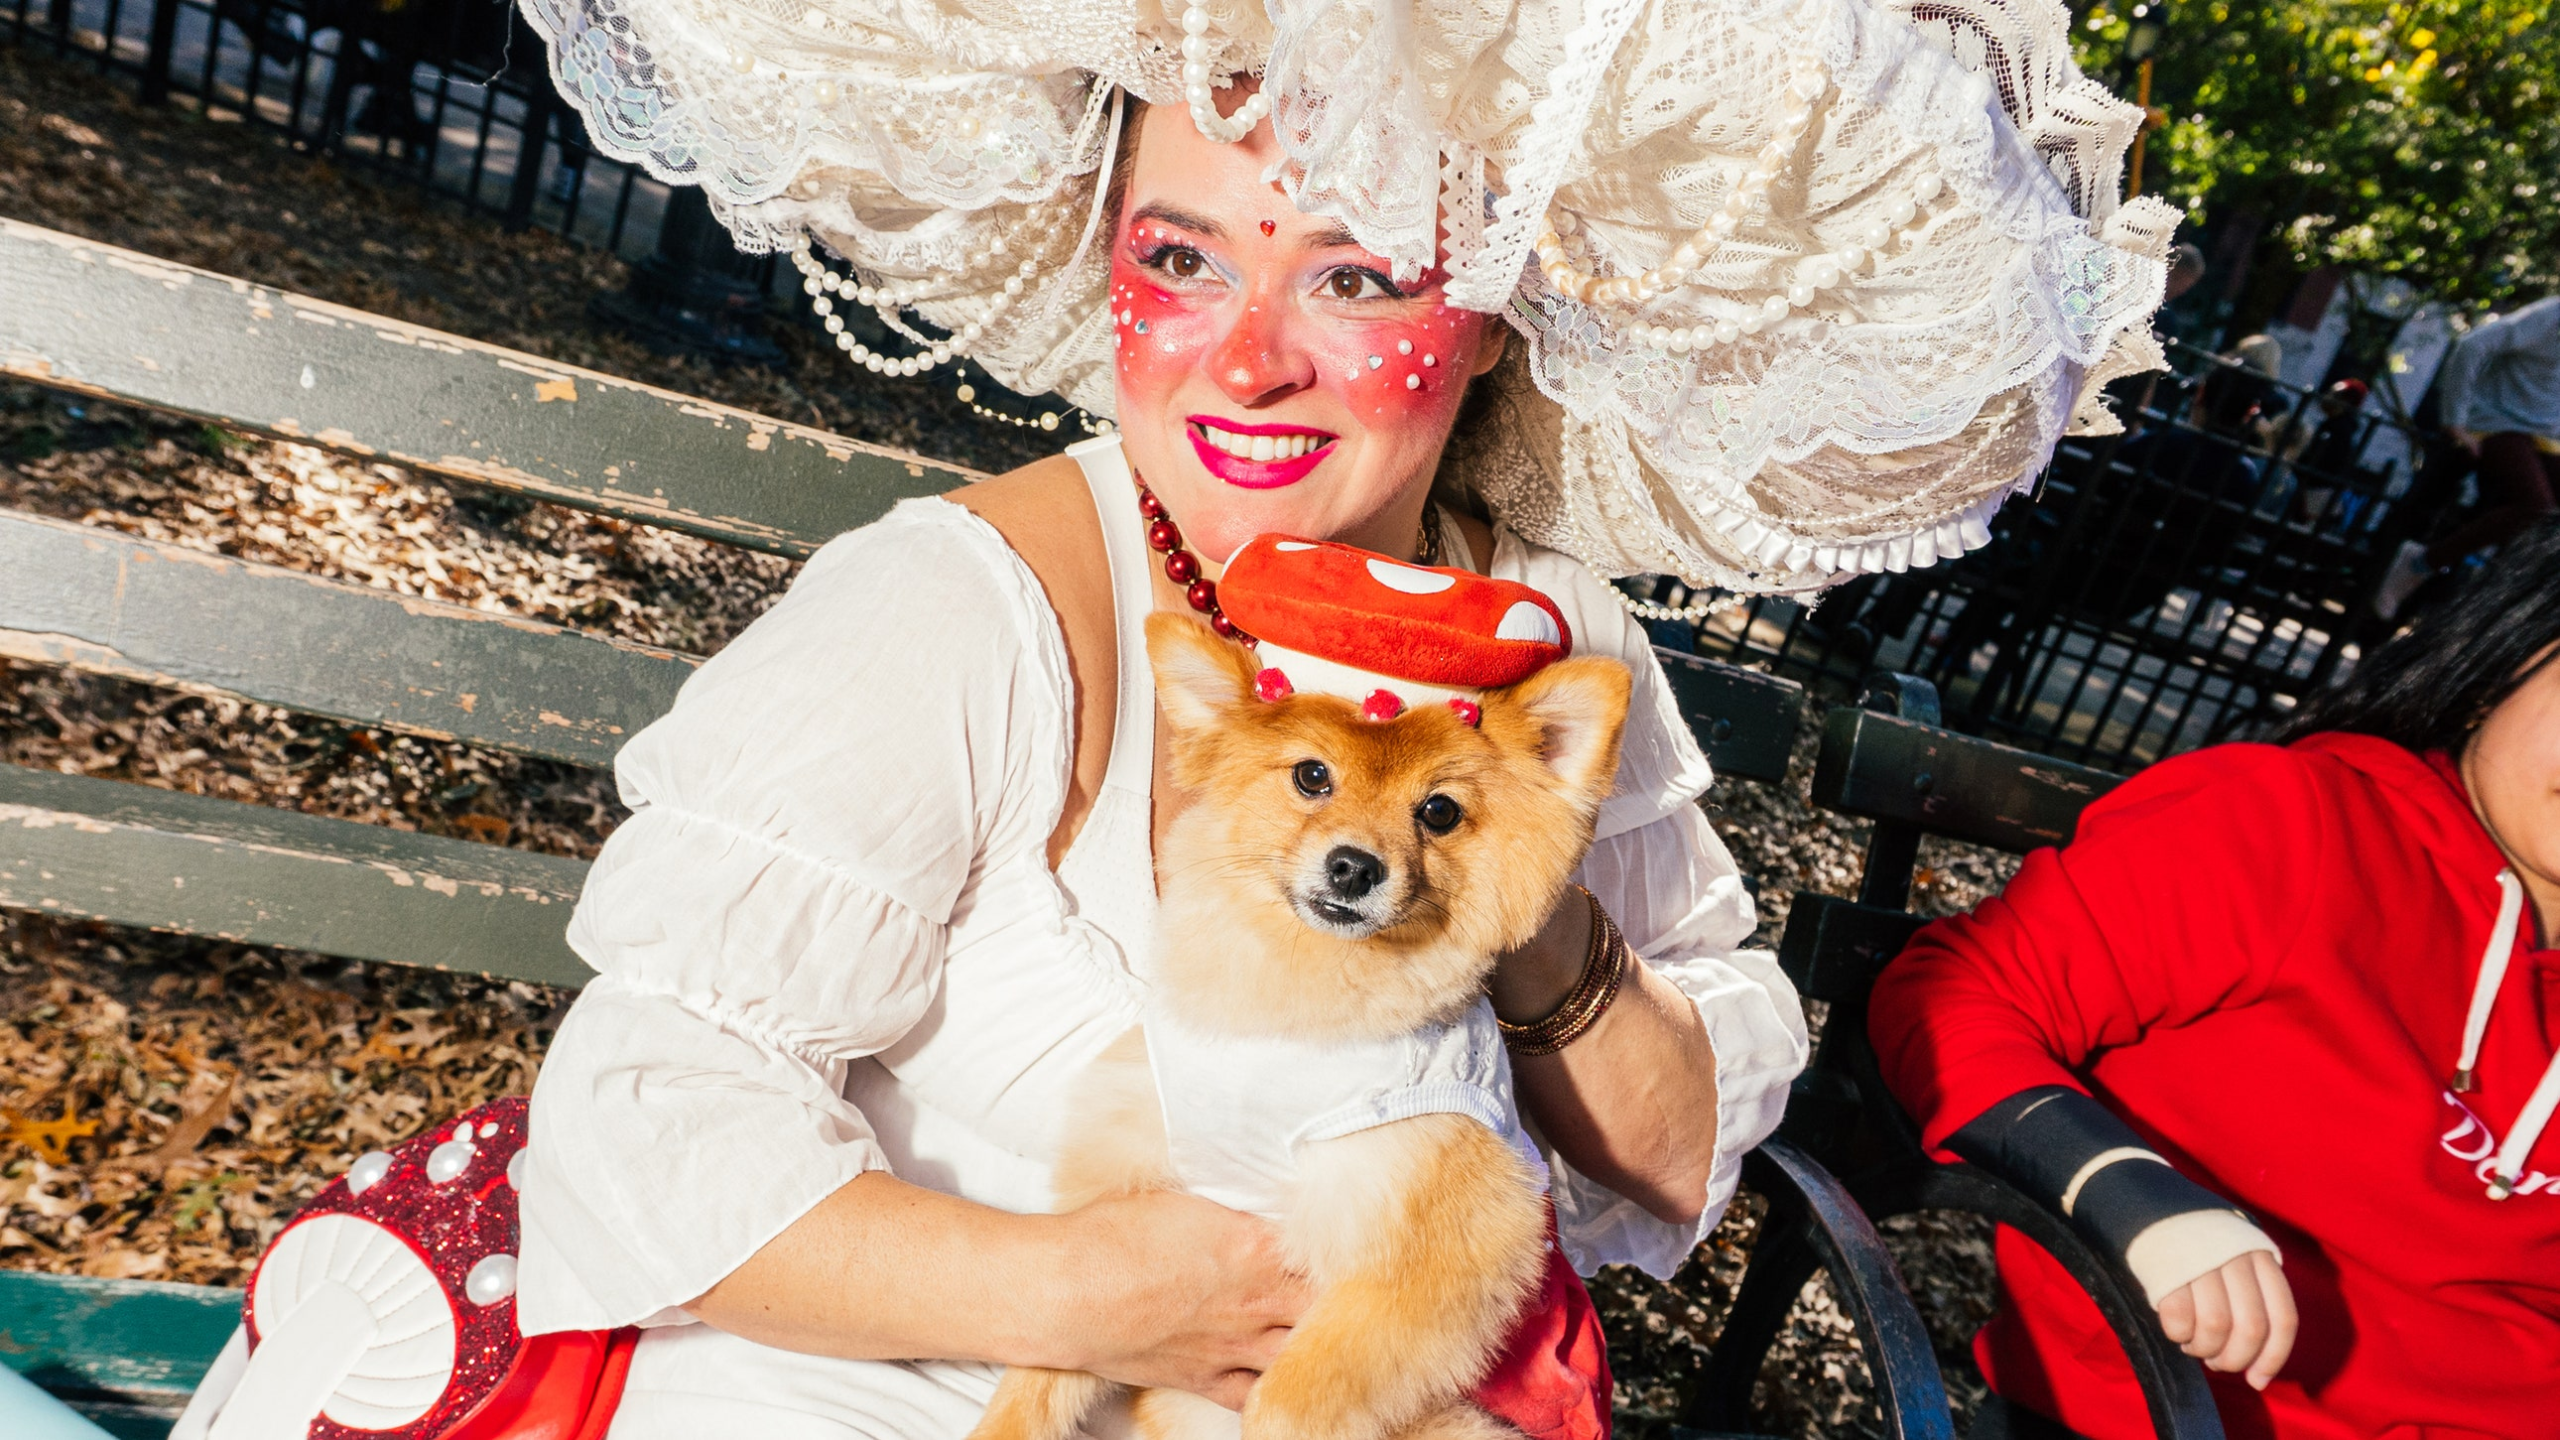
(1809, 296)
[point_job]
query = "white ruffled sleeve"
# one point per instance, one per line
(804, 822)
(1672, 887)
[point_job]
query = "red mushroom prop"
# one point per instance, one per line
(1386, 635)
(386, 1311)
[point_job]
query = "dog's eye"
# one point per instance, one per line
(1313, 779)
(1439, 814)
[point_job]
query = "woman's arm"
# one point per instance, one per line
(1159, 1290)
(1632, 1104)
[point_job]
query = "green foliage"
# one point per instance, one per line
(2419, 138)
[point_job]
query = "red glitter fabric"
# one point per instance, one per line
(559, 1387)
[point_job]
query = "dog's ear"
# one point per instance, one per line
(1199, 677)
(1581, 707)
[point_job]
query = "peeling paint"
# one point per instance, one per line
(545, 391)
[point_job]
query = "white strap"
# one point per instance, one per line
(2493, 973)
(2529, 1126)
(2098, 1162)
(1115, 505)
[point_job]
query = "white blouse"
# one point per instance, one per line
(828, 940)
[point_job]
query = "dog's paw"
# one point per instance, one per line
(1292, 1403)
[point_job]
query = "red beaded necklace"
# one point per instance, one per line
(1182, 567)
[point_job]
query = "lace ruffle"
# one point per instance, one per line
(1877, 429)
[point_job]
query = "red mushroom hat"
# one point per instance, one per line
(1338, 620)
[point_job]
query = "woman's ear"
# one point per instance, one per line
(1199, 677)
(1497, 338)
(1580, 706)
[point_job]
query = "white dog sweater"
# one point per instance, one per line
(1238, 1107)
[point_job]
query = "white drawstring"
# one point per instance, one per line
(2493, 973)
(2507, 1171)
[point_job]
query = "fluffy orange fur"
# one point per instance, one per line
(1424, 1237)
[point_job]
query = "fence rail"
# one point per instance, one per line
(450, 95)
(2170, 587)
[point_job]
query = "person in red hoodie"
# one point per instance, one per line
(2278, 1028)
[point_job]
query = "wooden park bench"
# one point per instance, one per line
(1886, 760)
(123, 327)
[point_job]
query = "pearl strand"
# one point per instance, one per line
(1806, 83)
(1696, 612)
(1195, 84)
(1046, 420)
(823, 286)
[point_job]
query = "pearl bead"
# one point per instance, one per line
(490, 1281)
(1404, 347)
(1683, 340)
(1925, 186)
(1822, 273)
(368, 1171)
(1852, 258)
(447, 1161)
(826, 91)
(835, 324)
(515, 1170)
(1013, 284)
(966, 127)
(1671, 277)
(1728, 331)
(1799, 294)
(1163, 537)
(1774, 309)
(1875, 237)
(1900, 212)
(1722, 226)
(1413, 382)
(1195, 47)
(1195, 20)
(1181, 567)
(1201, 596)
(1750, 324)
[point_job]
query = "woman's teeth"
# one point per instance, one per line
(1263, 447)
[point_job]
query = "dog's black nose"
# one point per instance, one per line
(1353, 872)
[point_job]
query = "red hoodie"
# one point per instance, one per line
(2261, 958)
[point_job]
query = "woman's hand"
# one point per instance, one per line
(1179, 1292)
(2240, 1317)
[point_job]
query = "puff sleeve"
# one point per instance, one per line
(804, 821)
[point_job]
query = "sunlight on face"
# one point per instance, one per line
(1271, 376)
(2513, 768)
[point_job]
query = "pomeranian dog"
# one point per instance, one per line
(1337, 885)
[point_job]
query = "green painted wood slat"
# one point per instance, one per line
(81, 316)
(95, 600)
(95, 849)
(132, 1339)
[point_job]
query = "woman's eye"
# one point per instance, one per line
(1354, 284)
(1312, 778)
(1184, 264)
(1439, 814)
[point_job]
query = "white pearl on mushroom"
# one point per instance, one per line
(490, 1281)
(446, 1162)
(368, 1171)
(515, 1170)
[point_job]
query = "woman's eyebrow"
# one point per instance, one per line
(1180, 219)
(1332, 236)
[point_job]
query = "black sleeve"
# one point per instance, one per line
(2043, 1139)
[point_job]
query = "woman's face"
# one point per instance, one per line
(1272, 376)
(2513, 768)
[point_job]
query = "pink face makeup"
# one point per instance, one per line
(1270, 374)
(1248, 324)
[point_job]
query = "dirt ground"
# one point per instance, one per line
(167, 1103)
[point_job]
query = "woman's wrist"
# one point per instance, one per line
(1530, 982)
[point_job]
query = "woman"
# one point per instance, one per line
(889, 880)
(2316, 979)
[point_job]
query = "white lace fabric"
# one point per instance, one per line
(1875, 429)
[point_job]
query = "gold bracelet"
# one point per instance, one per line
(1604, 965)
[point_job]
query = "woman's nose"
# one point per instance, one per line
(1257, 360)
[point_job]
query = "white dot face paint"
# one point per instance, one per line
(1404, 347)
(1413, 382)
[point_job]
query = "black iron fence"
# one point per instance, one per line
(2168, 588)
(448, 94)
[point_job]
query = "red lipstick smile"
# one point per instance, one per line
(1287, 452)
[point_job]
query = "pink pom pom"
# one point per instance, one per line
(1272, 685)
(1381, 705)
(1468, 710)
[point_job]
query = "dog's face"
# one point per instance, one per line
(1387, 861)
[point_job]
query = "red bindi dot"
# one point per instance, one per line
(1269, 226)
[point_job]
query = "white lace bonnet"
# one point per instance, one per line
(1808, 287)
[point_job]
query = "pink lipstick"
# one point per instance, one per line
(1276, 455)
